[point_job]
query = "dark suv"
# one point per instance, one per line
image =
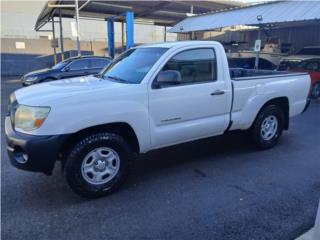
(72, 67)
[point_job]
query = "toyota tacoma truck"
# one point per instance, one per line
(150, 97)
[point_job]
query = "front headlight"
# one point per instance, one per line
(31, 79)
(29, 118)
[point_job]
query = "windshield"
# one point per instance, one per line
(60, 65)
(133, 65)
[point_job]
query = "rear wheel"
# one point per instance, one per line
(316, 91)
(98, 165)
(268, 127)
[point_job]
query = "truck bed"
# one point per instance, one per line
(246, 74)
(253, 88)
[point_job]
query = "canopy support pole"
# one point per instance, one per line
(61, 36)
(122, 36)
(77, 20)
(129, 29)
(54, 47)
(111, 49)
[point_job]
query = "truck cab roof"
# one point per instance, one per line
(178, 44)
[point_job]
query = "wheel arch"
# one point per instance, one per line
(283, 103)
(121, 128)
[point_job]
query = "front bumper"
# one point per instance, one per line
(27, 83)
(30, 152)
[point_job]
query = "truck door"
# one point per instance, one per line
(194, 108)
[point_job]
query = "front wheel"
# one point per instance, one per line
(98, 165)
(268, 127)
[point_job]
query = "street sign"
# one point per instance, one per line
(257, 45)
(54, 43)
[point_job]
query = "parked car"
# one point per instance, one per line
(306, 53)
(72, 67)
(309, 50)
(311, 66)
(149, 97)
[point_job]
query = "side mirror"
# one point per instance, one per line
(168, 78)
(66, 69)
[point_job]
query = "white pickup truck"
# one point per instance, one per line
(150, 97)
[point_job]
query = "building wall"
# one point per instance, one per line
(38, 54)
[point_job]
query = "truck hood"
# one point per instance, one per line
(47, 94)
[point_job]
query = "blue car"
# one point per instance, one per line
(72, 67)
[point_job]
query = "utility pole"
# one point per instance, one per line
(77, 21)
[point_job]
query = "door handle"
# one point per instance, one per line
(217, 92)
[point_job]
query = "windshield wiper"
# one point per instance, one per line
(117, 79)
(98, 75)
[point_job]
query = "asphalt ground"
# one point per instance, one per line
(218, 188)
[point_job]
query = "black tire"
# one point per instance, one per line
(255, 131)
(73, 165)
(315, 93)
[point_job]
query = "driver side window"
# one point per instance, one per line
(195, 65)
(79, 64)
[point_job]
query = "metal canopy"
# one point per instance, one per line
(281, 13)
(163, 13)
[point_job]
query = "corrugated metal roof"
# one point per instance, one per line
(275, 12)
(166, 13)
